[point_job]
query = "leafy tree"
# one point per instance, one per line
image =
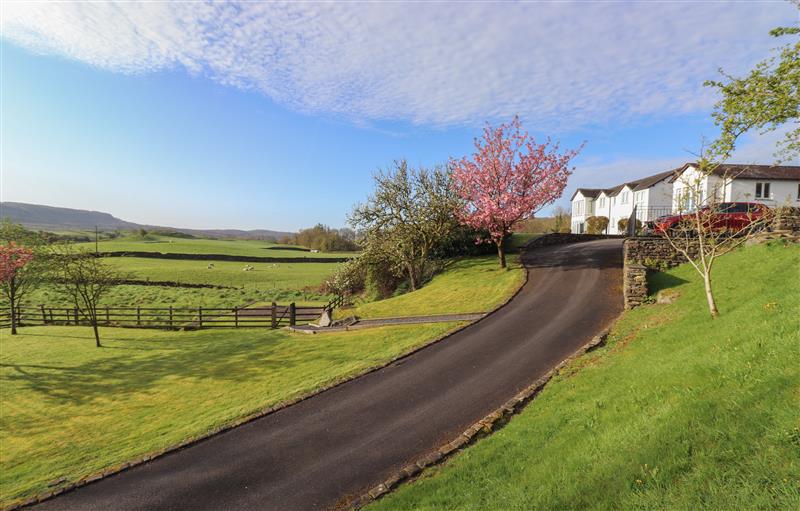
(85, 279)
(13, 260)
(561, 219)
(764, 100)
(509, 178)
(409, 213)
(23, 265)
(323, 238)
(598, 224)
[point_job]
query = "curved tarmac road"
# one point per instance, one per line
(315, 454)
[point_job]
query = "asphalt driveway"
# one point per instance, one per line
(316, 453)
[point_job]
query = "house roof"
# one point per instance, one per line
(744, 171)
(640, 184)
(647, 182)
(587, 192)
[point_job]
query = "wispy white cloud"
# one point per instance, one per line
(558, 65)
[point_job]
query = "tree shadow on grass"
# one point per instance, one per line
(118, 373)
(658, 281)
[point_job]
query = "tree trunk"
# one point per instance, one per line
(12, 302)
(712, 304)
(96, 333)
(412, 277)
(501, 253)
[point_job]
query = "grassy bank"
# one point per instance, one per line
(475, 284)
(69, 409)
(677, 411)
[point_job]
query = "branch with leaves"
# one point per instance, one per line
(508, 178)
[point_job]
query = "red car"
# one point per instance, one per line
(728, 216)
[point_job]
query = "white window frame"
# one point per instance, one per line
(763, 190)
(623, 197)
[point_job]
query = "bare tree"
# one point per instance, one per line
(85, 279)
(410, 212)
(698, 232)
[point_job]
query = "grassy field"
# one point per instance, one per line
(677, 411)
(475, 284)
(70, 409)
(263, 276)
(162, 296)
(171, 245)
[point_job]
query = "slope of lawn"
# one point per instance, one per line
(172, 245)
(68, 409)
(475, 284)
(677, 411)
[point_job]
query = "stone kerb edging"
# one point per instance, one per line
(479, 429)
(249, 418)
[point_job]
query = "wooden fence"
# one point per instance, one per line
(270, 316)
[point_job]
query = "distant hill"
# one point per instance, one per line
(49, 218)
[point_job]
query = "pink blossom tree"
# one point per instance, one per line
(509, 178)
(13, 259)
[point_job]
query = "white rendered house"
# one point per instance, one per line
(652, 196)
(771, 185)
(666, 193)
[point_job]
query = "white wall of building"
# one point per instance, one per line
(781, 192)
(582, 208)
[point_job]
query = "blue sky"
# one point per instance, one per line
(275, 116)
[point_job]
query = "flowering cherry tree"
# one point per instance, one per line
(13, 259)
(509, 178)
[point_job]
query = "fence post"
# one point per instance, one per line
(75, 310)
(200, 316)
(108, 317)
(292, 314)
(138, 316)
(44, 315)
(236, 317)
(170, 316)
(274, 315)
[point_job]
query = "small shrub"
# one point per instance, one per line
(596, 224)
(622, 225)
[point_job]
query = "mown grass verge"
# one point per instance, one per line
(677, 411)
(474, 284)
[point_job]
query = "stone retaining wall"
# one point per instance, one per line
(655, 253)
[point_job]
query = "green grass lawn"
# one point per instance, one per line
(69, 409)
(171, 245)
(475, 284)
(161, 296)
(224, 273)
(677, 411)
(280, 282)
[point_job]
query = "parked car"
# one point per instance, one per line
(730, 216)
